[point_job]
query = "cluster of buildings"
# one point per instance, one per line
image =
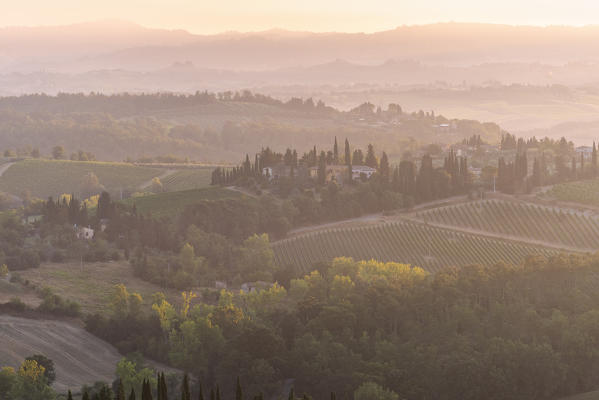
(333, 173)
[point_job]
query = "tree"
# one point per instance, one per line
(70, 396)
(156, 185)
(374, 391)
(58, 152)
(371, 160)
(7, 379)
(120, 391)
(335, 152)
(90, 185)
(3, 271)
(31, 383)
(185, 392)
(47, 364)
(238, 391)
(347, 157)
(384, 168)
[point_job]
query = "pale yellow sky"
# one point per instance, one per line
(201, 16)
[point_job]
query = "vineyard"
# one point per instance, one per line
(185, 179)
(44, 178)
(431, 248)
(558, 227)
(170, 204)
(584, 192)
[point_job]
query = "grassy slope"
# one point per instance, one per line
(171, 204)
(93, 286)
(45, 178)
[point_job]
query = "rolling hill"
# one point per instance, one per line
(79, 357)
(429, 247)
(527, 222)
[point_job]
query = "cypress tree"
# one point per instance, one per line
(164, 389)
(347, 153)
(69, 396)
(120, 391)
(185, 393)
(384, 168)
(594, 159)
(335, 152)
(132, 394)
(201, 395)
(238, 391)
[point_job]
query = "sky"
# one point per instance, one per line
(214, 16)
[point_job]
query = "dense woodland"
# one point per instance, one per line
(497, 332)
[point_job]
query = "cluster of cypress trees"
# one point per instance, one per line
(162, 393)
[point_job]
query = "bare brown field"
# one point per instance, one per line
(93, 284)
(79, 357)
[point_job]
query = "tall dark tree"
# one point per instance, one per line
(384, 168)
(132, 394)
(594, 160)
(322, 168)
(238, 391)
(69, 395)
(335, 152)
(120, 391)
(185, 392)
(371, 160)
(348, 159)
(201, 393)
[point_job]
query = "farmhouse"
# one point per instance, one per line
(82, 232)
(362, 171)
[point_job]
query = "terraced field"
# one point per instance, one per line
(79, 357)
(429, 247)
(185, 179)
(43, 178)
(170, 204)
(555, 226)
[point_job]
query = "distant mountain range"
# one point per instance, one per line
(124, 45)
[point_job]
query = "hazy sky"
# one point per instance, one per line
(201, 16)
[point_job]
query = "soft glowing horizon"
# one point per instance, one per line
(201, 17)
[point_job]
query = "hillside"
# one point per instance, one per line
(520, 221)
(93, 284)
(429, 247)
(44, 178)
(79, 357)
(171, 204)
(584, 192)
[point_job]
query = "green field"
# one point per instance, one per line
(170, 204)
(43, 178)
(93, 285)
(185, 179)
(555, 226)
(584, 192)
(429, 247)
